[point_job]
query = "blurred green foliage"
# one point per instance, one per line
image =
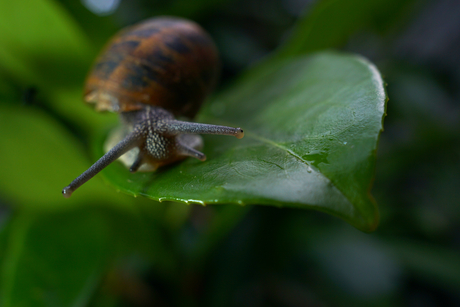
(109, 249)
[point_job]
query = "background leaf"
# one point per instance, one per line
(39, 157)
(44, 49)
(34, 273)
(331, 22)
(311, 125)
(59, 259)
(41, 44)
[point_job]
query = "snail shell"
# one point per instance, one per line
(166, 62)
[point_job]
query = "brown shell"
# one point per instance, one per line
(167, 62)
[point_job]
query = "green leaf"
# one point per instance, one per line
(312, 126)
(330, 23)
(43, 48)
(41, 44)
(50, 263)
(58, 259)
(97, 28)
(38, 157)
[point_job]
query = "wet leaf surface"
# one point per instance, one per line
(311, 125)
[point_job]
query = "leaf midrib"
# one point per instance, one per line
(272, 143)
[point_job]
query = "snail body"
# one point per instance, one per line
(151, 74)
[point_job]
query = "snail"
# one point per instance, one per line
(152, 73)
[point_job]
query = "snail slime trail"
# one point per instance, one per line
(150, 74)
